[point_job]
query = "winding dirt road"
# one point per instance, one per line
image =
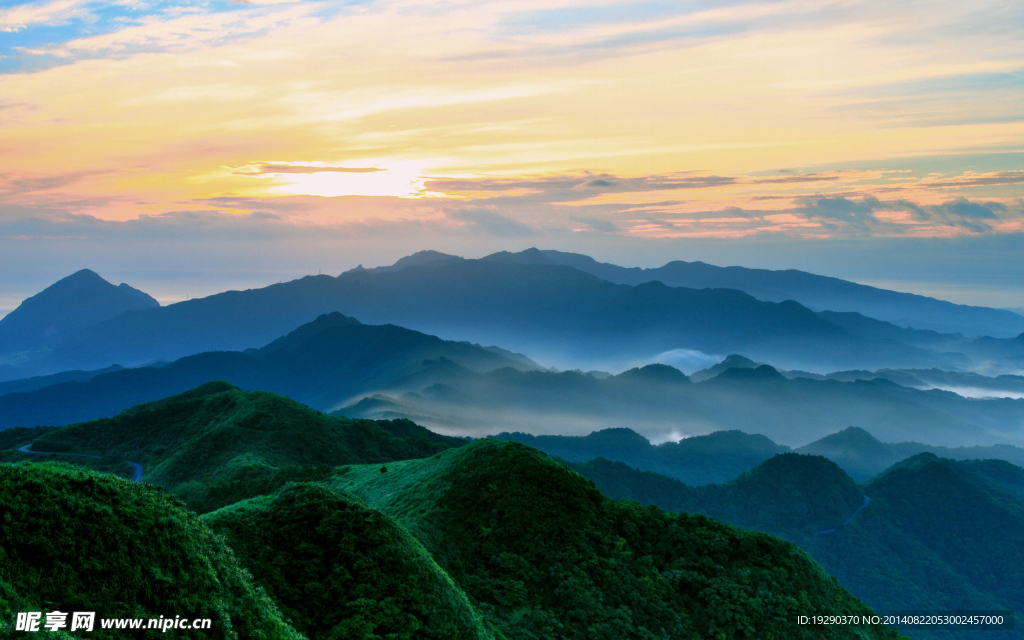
(136, 467)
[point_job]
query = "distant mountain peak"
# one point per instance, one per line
(424, 257)
(851, 440)
(82, 274)
(916, 461)
(66, 307)
(734, 361)
(808, 466)
(533, 255)
(621, 435)
(323, 322)
(657, 371)
(739, 362)
(417, 259)
(853, 434)
(762, 372)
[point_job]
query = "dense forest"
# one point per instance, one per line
(323, 527)
(928, 534)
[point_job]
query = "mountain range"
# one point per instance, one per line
(965, 383)
(820, 293)
(303, 472)
(662, 403)
(322, 363)
(721, 456)
(336, 363)
(552, 311)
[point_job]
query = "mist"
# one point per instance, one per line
(793, 412)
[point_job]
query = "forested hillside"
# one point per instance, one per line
(928, 534)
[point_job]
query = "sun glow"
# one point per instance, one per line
(376, 178)
(761, 108)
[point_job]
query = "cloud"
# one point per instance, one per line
(490, 221)
(976, 217)
(688, 360)
(982, 180)
(973, 216)
(303, 168)
(796, 179)
(597, 224)
(34, 183)
(571, 188)
(19, 17)
(964, 208)
(134, 30)
(278, 168)
(906, 205)
(210, 251)
(840, 208)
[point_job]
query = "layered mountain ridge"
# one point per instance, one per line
(544, 303)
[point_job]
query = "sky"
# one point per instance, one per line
(192, 147)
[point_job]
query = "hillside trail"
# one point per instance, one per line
(136, 467)
(847, 521)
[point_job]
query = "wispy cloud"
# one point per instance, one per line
(18, 17)
(597, 224)
(858, 214)
(971, 179)
(596, 120)
(490, 221)
(305, 168)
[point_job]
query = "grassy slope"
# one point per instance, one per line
(216, 444)
(74, 540)
(341, 570)
(544, 555)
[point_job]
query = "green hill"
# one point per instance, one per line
(784, 494)
(935, 535)
(790, 494)
(944, 536)
(356, 533)
(74, 540)
(544, 555)
(340, 570)
(217, 444)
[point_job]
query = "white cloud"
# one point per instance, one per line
(58, 12)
